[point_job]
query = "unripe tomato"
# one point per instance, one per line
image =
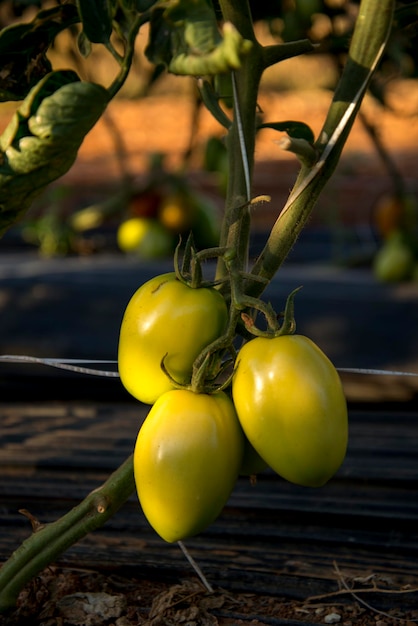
(291, 405)
(186, 461)
(166, 319)
(394, 261)
(176, 212)
(145, 237)
(387, 213)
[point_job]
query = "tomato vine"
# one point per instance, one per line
(59, 109)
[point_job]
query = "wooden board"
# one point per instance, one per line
(271, 536)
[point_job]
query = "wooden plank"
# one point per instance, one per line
(270, 536)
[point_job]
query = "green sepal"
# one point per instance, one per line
(298, 130)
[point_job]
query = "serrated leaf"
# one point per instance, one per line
(298, 130)
(185, 38)
(97, 20)
(42, 140)
(23, 49)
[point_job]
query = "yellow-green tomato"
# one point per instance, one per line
(186, 460)
(292, 408)
(394, 261)
(166, 319)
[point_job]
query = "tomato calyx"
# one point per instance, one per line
(210, 371)
(189, 270)
(274, 328)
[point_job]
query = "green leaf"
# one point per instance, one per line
(23, 49)
(42, 140)
(298, 130)
(186, 39)
(97, 20)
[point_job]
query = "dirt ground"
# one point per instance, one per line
(67, 597)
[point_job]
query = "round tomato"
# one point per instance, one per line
(166, 320)
(186, 461)
(291, 405)
(145, 237)
(176, 212)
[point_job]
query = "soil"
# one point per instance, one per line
(73, 597)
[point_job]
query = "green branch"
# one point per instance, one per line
(370, 36)
(241, 139)
(126, 61)
(49, 541)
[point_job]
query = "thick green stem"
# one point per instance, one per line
(241, 139)
(371, 32)
(50, 541)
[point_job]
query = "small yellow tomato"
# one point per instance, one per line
(186, 461)
(176, 212)
(145, 237)
(292, 408)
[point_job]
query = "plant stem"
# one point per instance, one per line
(126, 61)
(370, 36)
(241, 139)
(51, 540)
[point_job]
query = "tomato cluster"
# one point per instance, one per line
(283, 407)
(156, 217)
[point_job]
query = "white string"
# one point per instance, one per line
(65, 364)
(195, 566)
(243, 147)
(70, 364)
(360, 370)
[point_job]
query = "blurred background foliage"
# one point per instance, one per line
(147, 214)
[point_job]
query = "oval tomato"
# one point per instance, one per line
(186, 460)
(394, 261)
(291, 405)
(166, 319)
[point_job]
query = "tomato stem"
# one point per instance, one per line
(370, 37)
(46, 544)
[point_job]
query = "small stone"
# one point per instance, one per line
(332, 618)
(89, 609)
